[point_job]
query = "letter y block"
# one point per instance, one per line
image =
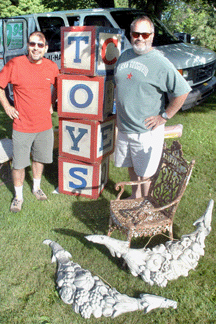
(86, 140)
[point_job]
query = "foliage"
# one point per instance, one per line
(121, 3)
(154, 6)
(69, 5)
(157, 7)
(27, 285)
(8, 9)
(197, 19)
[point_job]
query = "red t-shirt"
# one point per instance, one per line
(32, 92)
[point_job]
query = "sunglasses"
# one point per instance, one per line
(33, 44)
(144, 35)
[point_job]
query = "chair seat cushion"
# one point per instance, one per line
(135, 215)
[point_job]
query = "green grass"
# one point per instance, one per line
(27, 277)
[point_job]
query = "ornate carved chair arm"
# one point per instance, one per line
(127, 183)
(168, 205)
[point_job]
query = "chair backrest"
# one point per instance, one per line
(171, 178)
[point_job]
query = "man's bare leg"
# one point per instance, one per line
(136, 190)
(37, 169)
(18, 180)
(18, 177)
(139, 190)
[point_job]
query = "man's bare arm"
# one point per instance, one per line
(173, 107)
(10, 110)
(54, 98)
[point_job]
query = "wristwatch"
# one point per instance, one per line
(164, 115)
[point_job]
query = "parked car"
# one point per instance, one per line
(196, 64)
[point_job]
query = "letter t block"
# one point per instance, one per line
(90, 50)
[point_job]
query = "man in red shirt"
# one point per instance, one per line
(32, 77)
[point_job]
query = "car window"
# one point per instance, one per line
(50, 26)
(97, 20)
(162, 34)
(73, 20)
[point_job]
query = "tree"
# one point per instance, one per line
(196, 18)
(8, 9)
(154, 6)
(157, 7)
(106, 4)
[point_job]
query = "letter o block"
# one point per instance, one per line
(85, 97)
(90, 50)
(82, 179)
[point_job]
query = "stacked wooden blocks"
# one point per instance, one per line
(85, 105)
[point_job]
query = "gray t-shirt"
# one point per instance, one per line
(141, 83)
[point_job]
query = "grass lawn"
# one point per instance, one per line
(27, 277)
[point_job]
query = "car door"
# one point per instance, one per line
(13, 43)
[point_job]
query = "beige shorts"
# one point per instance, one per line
(142, 151)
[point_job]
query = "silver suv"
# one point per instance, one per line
(196, 64)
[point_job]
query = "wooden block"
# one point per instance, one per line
(90, 50)
(86, 140)
(85, 97)
(82, 179)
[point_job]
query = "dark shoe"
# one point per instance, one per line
(16, 205)
(39, 194)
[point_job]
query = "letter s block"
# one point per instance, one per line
(85, 97)
(90, 50)
(86, 140)
(82, 179)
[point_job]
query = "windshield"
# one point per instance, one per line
(162, 35)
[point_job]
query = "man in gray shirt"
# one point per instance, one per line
(142, 77)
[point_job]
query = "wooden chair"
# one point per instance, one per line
(153, 214)
(6, 153)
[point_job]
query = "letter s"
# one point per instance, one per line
(73, 174)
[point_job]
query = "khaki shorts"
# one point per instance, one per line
(142, 151)
(40, 145)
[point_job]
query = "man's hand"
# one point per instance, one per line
(174, 105)
(11, 112)
(154, 121)
(51, 109)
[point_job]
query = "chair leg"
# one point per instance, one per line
(129, 237)
(111, 229)
(171, 232)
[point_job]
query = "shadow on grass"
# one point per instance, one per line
(110, 187)
(51, 170)
(6, 177)
(81, 237)
(94, 214)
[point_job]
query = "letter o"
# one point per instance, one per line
(72, 96)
